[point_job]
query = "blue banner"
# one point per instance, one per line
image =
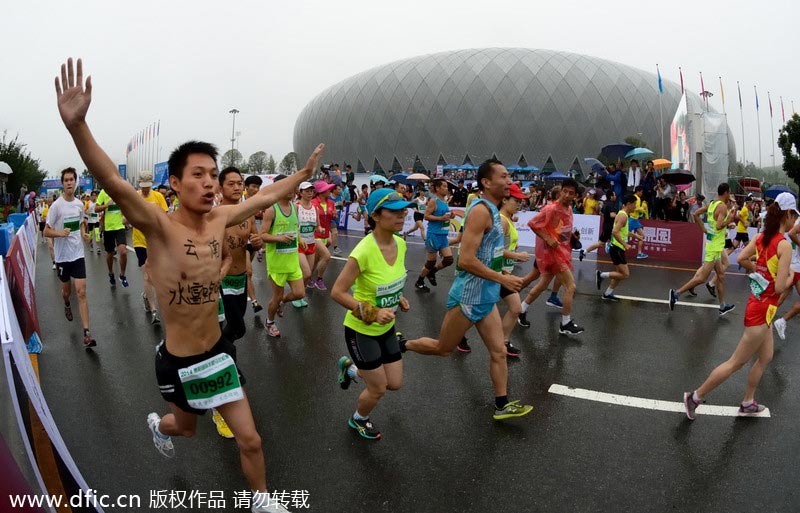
(123, 171)
(160, 174)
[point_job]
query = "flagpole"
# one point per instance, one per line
(660, 109)
(771, 129)
(758, 122)
(741, 118)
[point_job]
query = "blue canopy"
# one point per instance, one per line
(557, 175)
(773, 191)
(529, 168)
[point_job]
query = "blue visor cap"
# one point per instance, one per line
(388, 199)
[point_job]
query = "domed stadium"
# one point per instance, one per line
(508, 102)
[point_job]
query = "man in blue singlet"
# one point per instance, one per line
(438, 215)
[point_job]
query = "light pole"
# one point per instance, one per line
(233, 128)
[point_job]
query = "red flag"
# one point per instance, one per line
(680, 71)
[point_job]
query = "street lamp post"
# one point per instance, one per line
(233, 128)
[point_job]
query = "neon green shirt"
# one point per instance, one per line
(282, 257)
(716, 238)
(511, 241)
(112, 215)
(377, 283)
(623, 233)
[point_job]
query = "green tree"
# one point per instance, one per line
(288, 164)
(636, 142)
(232, 158)
(25, 169)
(257, 163)
(271, 164)
(789, 143)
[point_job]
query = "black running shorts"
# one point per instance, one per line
(75, 269)
(369, 353)
(112, 239)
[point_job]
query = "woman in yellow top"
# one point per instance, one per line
(591, 203)
(376, 272)
(508, 209)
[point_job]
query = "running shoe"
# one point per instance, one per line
(712, 289)
(512, 350)
(642, 256)
(463, 346)
(610, 297)
(222, 427)
(88, 341)
(581, 255)
(692, 292)
(112, 281)
(298, 303)
(336, 251)
(320, 284)
(554, 301)
(163, 443)
(751, 409)
(401, 341)
(522, 320)
(54, 266)
(273, 330)
(98, 251)
(432, 278)
(155, 319)
(304, 301)
(512, 409)
(570, 328)
(598, 279)
(123, 280)
(673, 298)
(725, 308)
(420, 285)
(310, 284)
(257, 307)
(690, 404)
(344, 372)
(365, 428)
(146, 302)
(68, 312)
(608, 248)
(780, 327)
(271, 505)
(260, 255)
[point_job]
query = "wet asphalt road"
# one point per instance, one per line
(441, 451)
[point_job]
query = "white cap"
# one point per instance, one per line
(787, 201)
(305, 185)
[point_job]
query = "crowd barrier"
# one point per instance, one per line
(27, 408)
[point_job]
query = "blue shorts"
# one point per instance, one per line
(634, 224)
(474, 313)
(436, 242)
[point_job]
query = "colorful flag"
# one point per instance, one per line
(740, 94)
(660, 83)
(769, 100)
(722, 91)
(783, 114)
(680, 71)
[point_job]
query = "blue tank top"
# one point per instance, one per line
(469, 289)
(439, 227)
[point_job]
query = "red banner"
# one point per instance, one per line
(664, 240)
(21, 286)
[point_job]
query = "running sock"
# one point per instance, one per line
(270, 321)
(565, 319)
(605, 275)
(358, 416)
(260, 498)
(85, 332)
(609, 291)
(500, 401)
(695, 397)
(748, 403)
(525, 306)
(159, 433)
(553, 294)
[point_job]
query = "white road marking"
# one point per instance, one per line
(648, 404)
(666, 302)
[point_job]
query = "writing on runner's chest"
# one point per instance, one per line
(194, 275)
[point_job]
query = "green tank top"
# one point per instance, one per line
(511, 240)
(623, 232)
(716, 238)
(282, 256)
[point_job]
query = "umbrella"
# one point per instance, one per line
(596, 165)
(401, 178)
(450, 167)
(661, 163)
(418, 176)
(639, 153)
(557, 175)
(378, 178)
(678, 177)
(529, 168)
(616, 150)
(773, 191)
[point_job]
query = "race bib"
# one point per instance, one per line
(758, 284)
(307, 232)
(234, 285)
(72, 222)
(286, 247)
(211, 383)
(497, 259)
(388, 295)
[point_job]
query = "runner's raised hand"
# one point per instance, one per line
(73, 98)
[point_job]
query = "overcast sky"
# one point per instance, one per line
(188, 63)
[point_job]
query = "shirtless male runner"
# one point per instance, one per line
(186, 255)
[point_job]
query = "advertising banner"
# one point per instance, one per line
(20, 282)
(677, 241)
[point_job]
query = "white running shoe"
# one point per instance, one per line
(780, 327)
(162, 442)
(268, 506)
